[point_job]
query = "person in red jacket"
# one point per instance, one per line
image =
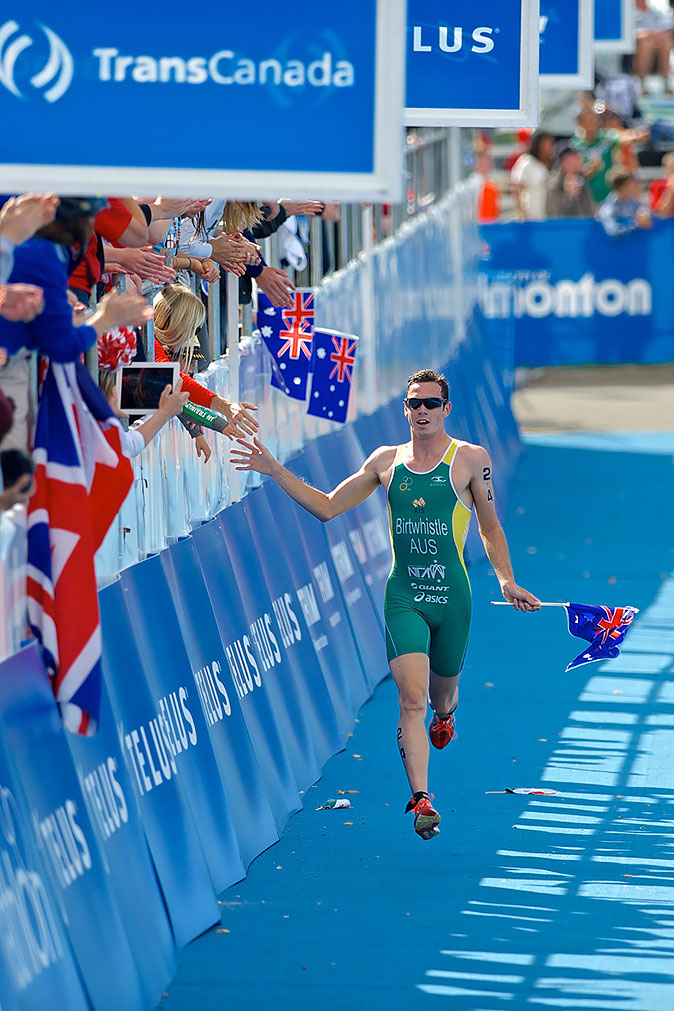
(121, 222)
(178, 315)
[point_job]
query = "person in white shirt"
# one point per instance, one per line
(653, 34)
(529, 175)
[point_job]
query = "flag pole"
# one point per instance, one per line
(506, 603)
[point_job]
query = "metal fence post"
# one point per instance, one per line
(232, 291)
(367, 294)
(454, 156)
(316, 247)
(213, 321)
(247, 319)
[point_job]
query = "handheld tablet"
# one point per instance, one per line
(139, 387)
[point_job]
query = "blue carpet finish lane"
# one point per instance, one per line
(562, 901)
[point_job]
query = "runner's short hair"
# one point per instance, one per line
(430, 376)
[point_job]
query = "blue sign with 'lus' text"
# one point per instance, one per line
(567, 52)
(334, 71)
(614, 26)
(472, 66)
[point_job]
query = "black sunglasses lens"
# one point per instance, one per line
(414, 403)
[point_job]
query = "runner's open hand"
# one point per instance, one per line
(252, 456)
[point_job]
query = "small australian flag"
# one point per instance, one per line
(603, 627)
(288, 334)
(333, 363)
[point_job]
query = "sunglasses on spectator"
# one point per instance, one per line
(430, 403)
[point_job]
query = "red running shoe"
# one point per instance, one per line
(426, 818)
(441, 732)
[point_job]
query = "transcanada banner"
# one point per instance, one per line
(472, 65)
(565, 293)
(225, 109)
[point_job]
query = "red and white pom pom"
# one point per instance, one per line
(116, 347)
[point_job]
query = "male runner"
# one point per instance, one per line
(432, 482)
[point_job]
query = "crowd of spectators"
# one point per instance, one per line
(592, 147)
(81, 278)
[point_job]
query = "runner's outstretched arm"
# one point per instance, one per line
(255, 456)
(492, 534)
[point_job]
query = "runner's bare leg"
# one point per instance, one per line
(411, 675)
(444, 694)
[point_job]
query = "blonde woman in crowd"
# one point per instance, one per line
(178, 314)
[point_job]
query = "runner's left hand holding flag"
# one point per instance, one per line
(603, 627)
(82, 478)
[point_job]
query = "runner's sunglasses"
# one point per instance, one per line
(430, 403)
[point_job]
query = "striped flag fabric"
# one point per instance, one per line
(288, 335)
(82, 478)
(333, 364)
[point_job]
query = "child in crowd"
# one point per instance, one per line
(623, 211)
(171, 404)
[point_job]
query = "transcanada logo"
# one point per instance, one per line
(57, 71)
(453, 40)
(505, 298)
(224, 67)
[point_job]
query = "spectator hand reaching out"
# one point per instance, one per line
(309, 207)
(276, 285)
(206, 269)
(148, 265)
(202, 448)
(116, 309)
(22, 216)
(20, 303)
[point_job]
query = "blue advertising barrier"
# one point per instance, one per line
(33, 733)
(567, 44)
(314, 67)
(275, 629)
(148, 749)
(481, 72)
(239, 770)
(247, 670)
(115, 816)
(365, 623)
(37, 968)
(313, 692)
(343, 455)
(309, 559)
(614, 26)
(575, 295)
(167, 670)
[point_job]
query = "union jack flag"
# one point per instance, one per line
(603, 627)
(82, 478)
(301, 316)
(333, 363)
(296, 342)
(288, 335)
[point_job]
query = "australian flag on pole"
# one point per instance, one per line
(288, 334)
(333, 364)
(82, 478)
(603, 627)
